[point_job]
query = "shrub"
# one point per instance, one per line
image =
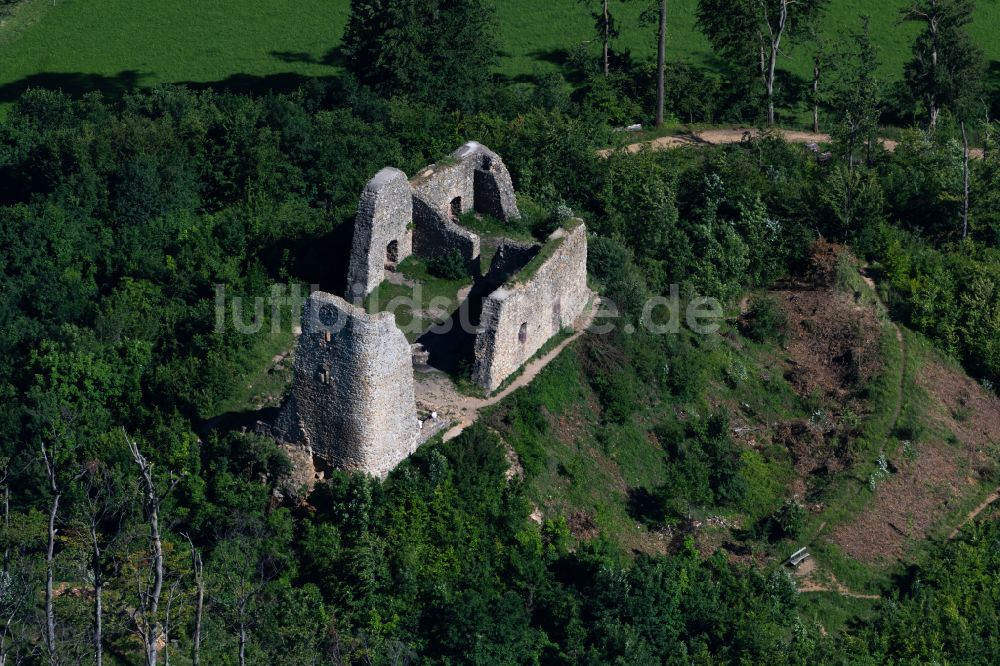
(449, 266)
(765, 320)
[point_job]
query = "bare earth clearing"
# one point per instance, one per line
(718, 137)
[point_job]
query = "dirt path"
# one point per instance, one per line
(993, 497)
(716, 137)
(805, 576)
(894, 421)
(436, 392)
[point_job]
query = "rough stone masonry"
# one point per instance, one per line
(397, 217)
(382, 232)
(352, 402)
(523, 314)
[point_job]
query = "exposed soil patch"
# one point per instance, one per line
(716, 137)
(833, 352)
(965, 408)
(833, 343)
(582, 525)
(808, 578)
(932, 475)
(815, 449)
(904, 507)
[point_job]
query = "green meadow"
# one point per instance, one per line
(114, 45)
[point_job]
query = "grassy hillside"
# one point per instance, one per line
(111, 45)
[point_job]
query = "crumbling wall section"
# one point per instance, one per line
(471, 178)
(352, 401)
(494, 191)
(510, 257)
(385, 212)
(435, 235)
(532, 306)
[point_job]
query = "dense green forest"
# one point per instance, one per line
(136, 529)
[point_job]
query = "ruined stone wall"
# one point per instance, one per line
(474, 174)
(524, 313)
(435, 235)
(509, 258)
(385, 211)
(352, 401)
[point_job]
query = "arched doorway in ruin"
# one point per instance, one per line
(392, 254)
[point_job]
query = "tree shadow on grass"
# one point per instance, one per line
(283, 82)
(75, 83)
(564, 60)
(332, 58)
(993, 87)
(113, 88)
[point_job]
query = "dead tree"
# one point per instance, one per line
(4, 474)
(146, 616)
(199, 584)
(817, 61)
(49, 453)
(99, 504)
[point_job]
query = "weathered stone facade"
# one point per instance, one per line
(510, 257)
(383, 233)
(397, 218)
(352, 402)
(471, 178)
(523, 314)
(436, 235)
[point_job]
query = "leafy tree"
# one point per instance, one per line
(857, 96)
(946, 70)
(750, 33)
(436, 50)
(855, 199)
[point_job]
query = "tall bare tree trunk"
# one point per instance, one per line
(607, 38)
(5, 632)
(772, 64)
(932, 105)
(50, 615)
(661, 62)
(965, 183)
(6, 521)
(48, 457)
(199, 582)
(153, 628)
(243, 643)
(98, 594)
(816, 98)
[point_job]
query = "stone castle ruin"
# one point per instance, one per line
(397, 217)
(353, 403)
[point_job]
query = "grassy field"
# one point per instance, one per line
(114, 45)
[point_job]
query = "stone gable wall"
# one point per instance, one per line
(477, 175)
(352, 401)
(522, 315)
(385, 211)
